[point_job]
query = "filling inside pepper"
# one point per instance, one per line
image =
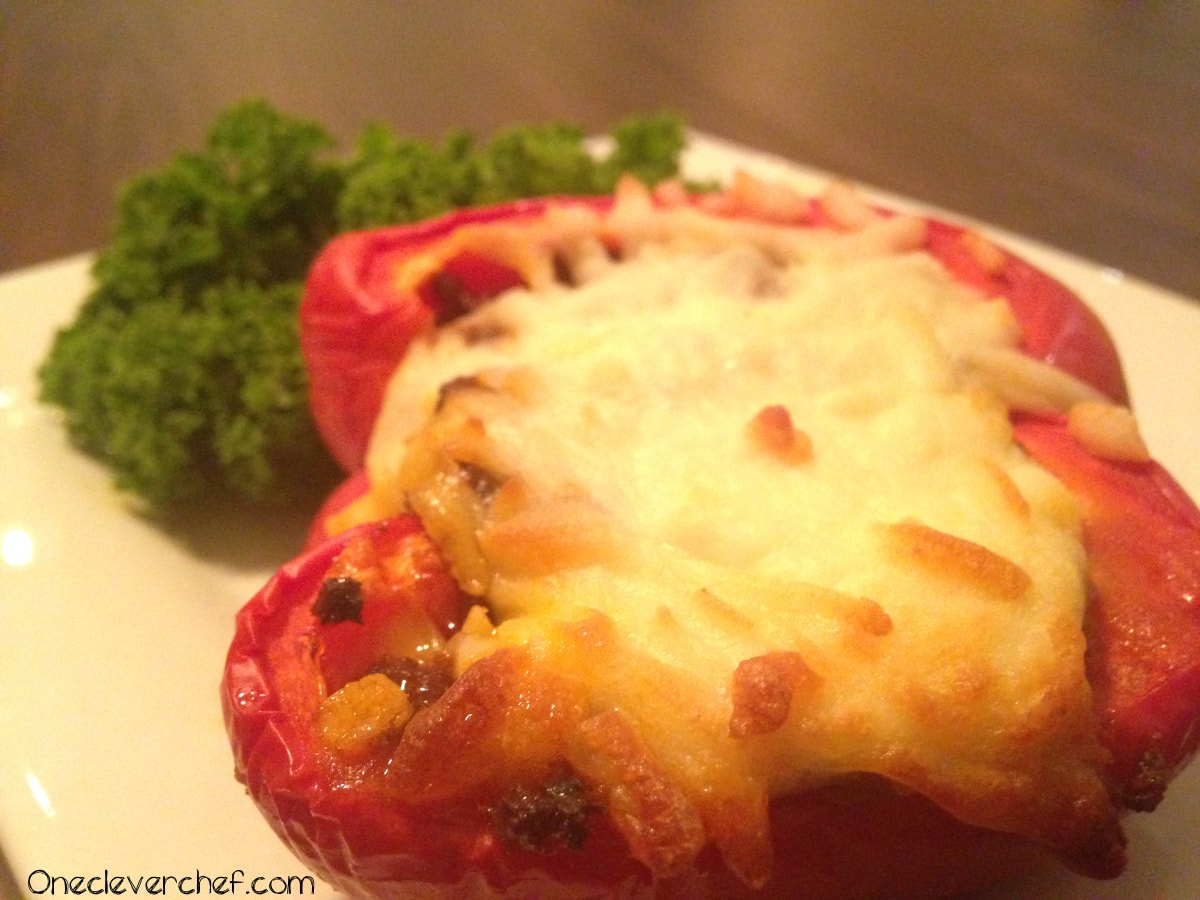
(737, 513)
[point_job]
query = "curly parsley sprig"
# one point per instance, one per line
(182, 370)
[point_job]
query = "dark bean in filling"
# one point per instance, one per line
(453, 297)
(338, 600)
(457, 385)
(422, 680)
(480, 480)
(545, 818)
(563, 273)
(478, 330)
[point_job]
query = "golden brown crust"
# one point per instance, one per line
(501, 722)
(958, 559)
(663, 829)
(773, 431)
(763, 690)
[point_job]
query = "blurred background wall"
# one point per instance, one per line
(1074, 121)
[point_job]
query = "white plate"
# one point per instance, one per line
(113, 757)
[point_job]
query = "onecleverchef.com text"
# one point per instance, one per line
(41, 883)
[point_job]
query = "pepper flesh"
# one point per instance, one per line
(357, 318)
(1142, 536)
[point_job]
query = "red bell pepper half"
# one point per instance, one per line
(344, 821)
(366, 299)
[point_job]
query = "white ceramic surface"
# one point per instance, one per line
(113, 628)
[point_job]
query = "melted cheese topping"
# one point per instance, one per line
(747, 487)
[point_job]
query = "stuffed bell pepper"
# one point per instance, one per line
(743, 544)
